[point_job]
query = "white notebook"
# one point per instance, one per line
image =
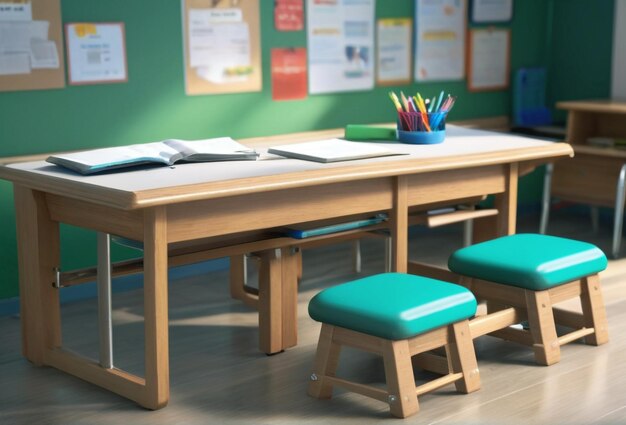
(331, 150)
(166, 152)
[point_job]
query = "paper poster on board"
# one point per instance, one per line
(219, 45)
(289, 15)
(489, 59)
(394, 51)
(440, 40)
(289, 79)
(222, 46)
(484, 11)
(341, 45)
(96, 53)
(13, 11)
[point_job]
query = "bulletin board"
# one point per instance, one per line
(222, 42)
(49, 78)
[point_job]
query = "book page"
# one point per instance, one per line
(109, 157)
(220, 146)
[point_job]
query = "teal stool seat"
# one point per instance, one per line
(529, 261)
(393, 306)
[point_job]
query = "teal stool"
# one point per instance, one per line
(396, 316)
(529, 273)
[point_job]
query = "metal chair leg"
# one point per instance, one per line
(356, 255)
(595, 218)
(388, 253)
(245, 269)
(619, 212)
(468, 232)
(105, 323)
(545, 203)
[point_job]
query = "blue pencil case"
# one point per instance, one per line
(335, 228)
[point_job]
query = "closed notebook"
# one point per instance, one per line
(166, 152)
(331, 150)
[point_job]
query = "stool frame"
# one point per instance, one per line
(508, 305)
(402, 393)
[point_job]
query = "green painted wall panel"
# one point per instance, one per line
(582, 45)
(152, 105)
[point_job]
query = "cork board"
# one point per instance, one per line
(37, 79)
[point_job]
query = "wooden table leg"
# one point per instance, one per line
(504, 223)
(270, 302)
(291, 258)
(399, 225)
(38, 256)
(157, 387)
(38, 248)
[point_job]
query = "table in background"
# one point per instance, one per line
(596, 175)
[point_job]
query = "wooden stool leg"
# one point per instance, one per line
(326, 360)
(593, 310)
(463, 358)
(542, 327)
(400, 379)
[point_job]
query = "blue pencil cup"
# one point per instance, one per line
(421, 137)
(414, 128)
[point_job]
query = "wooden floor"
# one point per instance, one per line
(219, 377)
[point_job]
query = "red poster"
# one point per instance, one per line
(289, 77)
(289, 15)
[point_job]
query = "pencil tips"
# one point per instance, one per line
(416, 113)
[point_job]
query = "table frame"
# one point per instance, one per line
(161, 217)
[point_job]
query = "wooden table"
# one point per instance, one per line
(215, 200)
(597, 175)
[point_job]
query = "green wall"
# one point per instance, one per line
(152, 105)
(581, 51)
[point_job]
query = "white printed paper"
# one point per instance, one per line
(96, 53)
(218, 15)
(16, 36)
(219, 45)
(43, 54)
(440, 40)
(340, 45)
(394, 50)
(15, 11)
(14, 63)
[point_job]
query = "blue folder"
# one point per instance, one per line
(335, 228)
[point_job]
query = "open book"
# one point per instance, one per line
(166, 152)
(331, 150)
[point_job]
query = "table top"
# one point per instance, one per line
(603, 106)
(139, 188)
